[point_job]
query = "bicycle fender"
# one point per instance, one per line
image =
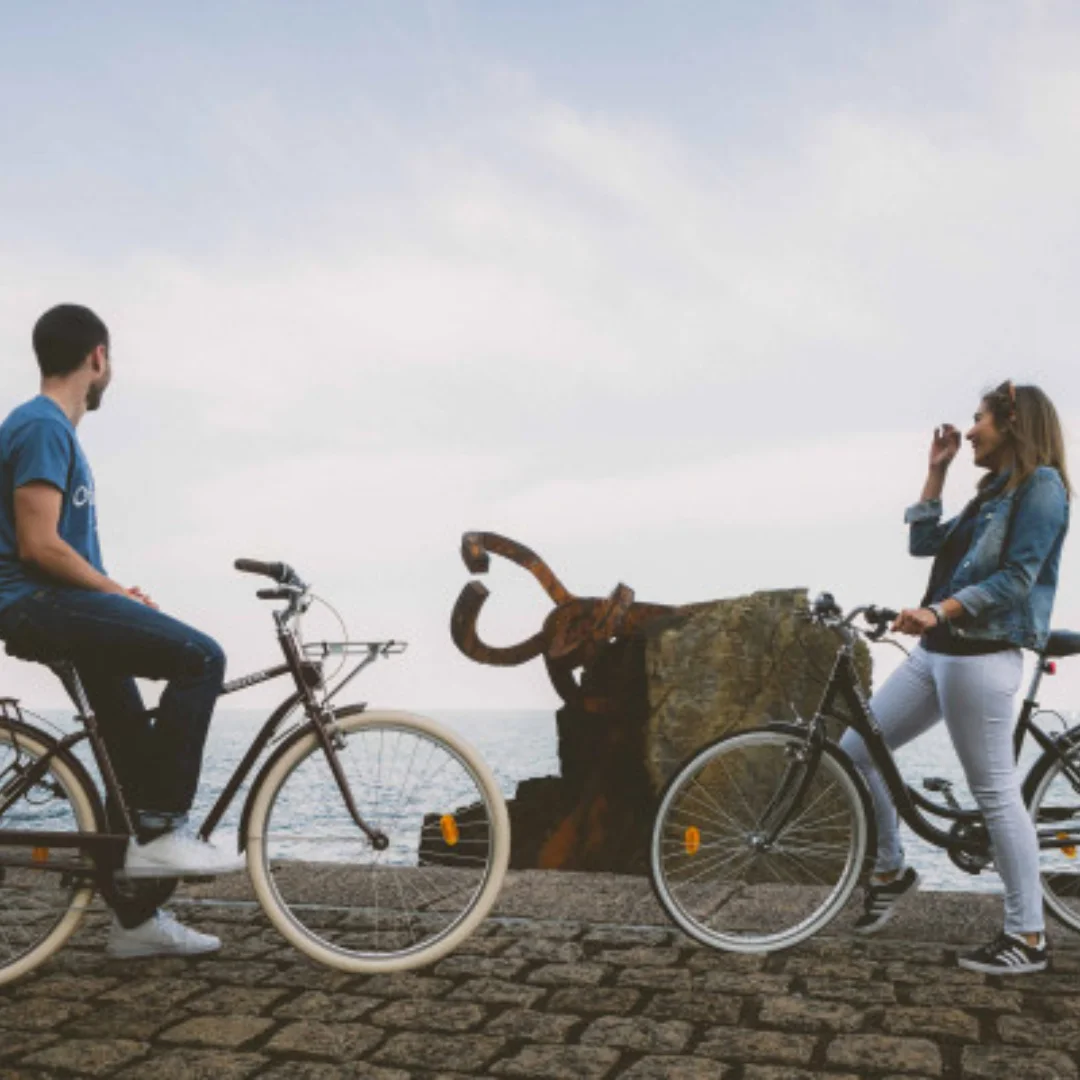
(54, 749)
(830, 746)
(301, 732)
(1065, 742)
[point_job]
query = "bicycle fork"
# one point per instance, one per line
(798, 776)
(332, 741)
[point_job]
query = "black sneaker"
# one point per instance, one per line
(1007, 955)
(879, 901)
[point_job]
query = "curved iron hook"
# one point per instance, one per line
(475, 548)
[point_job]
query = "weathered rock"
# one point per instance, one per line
(728, 666)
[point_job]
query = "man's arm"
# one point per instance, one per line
(37, 515)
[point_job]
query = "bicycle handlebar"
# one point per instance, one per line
(826, 609)
(280, 572)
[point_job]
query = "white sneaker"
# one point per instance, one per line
(179, 854)
(160, 935)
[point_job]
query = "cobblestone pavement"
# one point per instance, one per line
(543, 997)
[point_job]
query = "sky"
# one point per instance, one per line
(674, 293)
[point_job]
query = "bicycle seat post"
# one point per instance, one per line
(65, 671)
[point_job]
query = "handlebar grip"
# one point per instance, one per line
(273, 594)
(279, 571)
(881, 615)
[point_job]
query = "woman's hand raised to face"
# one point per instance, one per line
(944, 447)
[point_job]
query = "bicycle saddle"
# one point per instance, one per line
(1062, 643)
(35, 652)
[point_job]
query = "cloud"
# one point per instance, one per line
(704, 365)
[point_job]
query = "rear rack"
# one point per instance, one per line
(321, 649)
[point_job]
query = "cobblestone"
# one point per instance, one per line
(639, 1033)
(872, 1051)
(1002, 1063)
(87, 1057)
(559, 1062)
(223, 1031)
(934, 1023)
(546, 999)
(429, 1016)
(338, 1042)
(737, 1044)
(190, 1064)
(421, 1050)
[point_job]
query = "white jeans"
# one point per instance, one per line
(976, 695)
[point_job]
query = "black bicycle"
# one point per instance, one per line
(761, 836)
(376, 840)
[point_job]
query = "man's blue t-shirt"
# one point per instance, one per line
(38, 444)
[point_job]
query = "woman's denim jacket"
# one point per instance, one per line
(1007, 579)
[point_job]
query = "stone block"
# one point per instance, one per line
(194, 1065)
(600, 999)
(333, 1041)
(1025, 1031)
(226, 1032)
(582, 974)
(696, 1008)
(654, 978)
(639, 1033)
(429, 1015)
(535, 1027)
(737, 1044)
(809, 1015)
(881, 1052)
(1009, 1063)
(339, 1008)
(497, 992)
(87, 1057)
(420, 1050)
(938, 1023)
(559, 1062)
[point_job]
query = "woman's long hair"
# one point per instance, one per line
(1035, 438)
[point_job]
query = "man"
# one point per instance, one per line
(57, 600)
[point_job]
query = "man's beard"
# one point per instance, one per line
(94, 393)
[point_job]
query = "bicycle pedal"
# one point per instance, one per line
(937, 783)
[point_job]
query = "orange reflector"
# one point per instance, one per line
(692, 840)
(449, 829)
(40, 854)
(1069, 849)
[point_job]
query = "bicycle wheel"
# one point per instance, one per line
(320, 880)
(40, 904)
(1055, 807)
(709, 866)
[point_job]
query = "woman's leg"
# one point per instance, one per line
(978, 696)
(904, 707)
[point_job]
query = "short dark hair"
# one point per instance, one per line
(65, 335)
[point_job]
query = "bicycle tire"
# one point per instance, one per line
(39, 910)
(1050, 795)
(762, 911)
(340, 934)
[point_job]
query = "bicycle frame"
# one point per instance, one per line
(107, 849)
(843, 687)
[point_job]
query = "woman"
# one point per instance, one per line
(990, 594)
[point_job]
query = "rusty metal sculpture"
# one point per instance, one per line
(572, 636)
(595, 814)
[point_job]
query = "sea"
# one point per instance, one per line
(519, 744)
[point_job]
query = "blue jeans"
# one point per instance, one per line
(975, 695)
(110, 640)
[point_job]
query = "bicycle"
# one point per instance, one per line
(387, 889)
(761, 836)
